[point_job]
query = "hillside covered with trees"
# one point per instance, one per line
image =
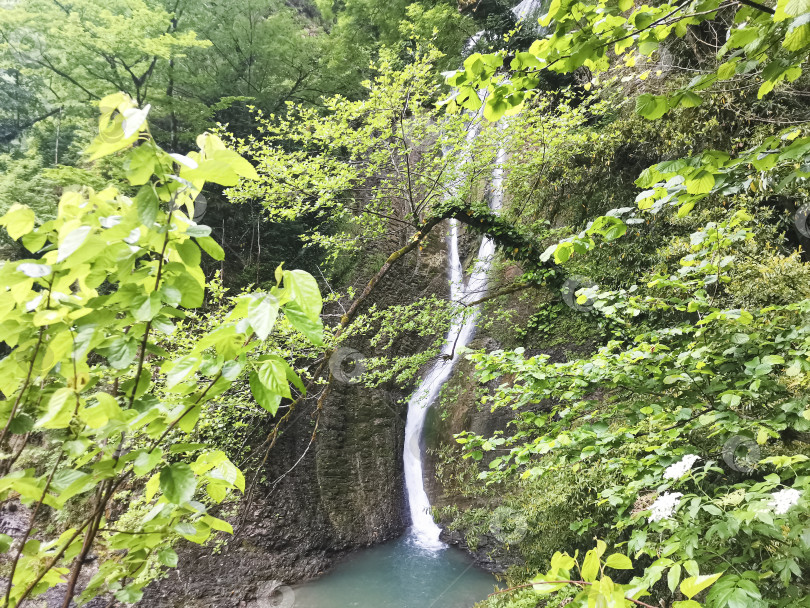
(405, 304)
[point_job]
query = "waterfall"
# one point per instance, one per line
(528, 11)
(424, 530)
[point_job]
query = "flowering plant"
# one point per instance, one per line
(662, 411)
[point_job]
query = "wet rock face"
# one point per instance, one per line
(314, 501)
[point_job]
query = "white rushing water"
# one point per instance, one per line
(424, 530)
(528, 10)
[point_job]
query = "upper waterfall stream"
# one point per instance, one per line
(424, 530)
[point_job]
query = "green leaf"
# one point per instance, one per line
(211, 247)
(684, 209)
(5, 542)
(264, 396)
(190, 282)
(590, 566)
(674, 577)
(690, 100)
(224, 167)
(702, 183)
(181, 369)
(562, 252)
(190, 418)
(231, 370)
(71, 242)
(652, 107)
(177, 482)
(262, 314)
(794, 8)
(311, 329)
(145, 307)
(59, 410)
(798, 35)
(616, 231)
(106, 409)
(727, 70)
(693, 585)
(18, 220)
(189, 253)
(35, 271)
(146, 461)
(619, 562)
(305, 291)
(130, 594)
(180, 448)
(273, 375)
(148, 205)
(495, 107)
(121, 352)
(140, 165)
(217, 490)
(20, 424)
(167, 557)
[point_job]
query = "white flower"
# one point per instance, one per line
(679, 469)
(783, 500)
(664, 506)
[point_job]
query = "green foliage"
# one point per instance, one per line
(599, 587)
(693, 375)
(88, 375)
(762, 43)
(92, 48)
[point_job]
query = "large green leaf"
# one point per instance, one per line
(177, 482)
(262, 314)
(266, 398)
(619, 562)
(303, 323)
(305, 292)
(72, 241)
(590, 566)
(693, 585)
(59, 410)
(652, 107)
(18, 220)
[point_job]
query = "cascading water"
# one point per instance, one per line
(413, 572)
(424, 530)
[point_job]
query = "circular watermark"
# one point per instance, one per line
(273, 594)
(802, 220)
(111, 128)
(413, 447)
(508, 525)
(188, 195)
(741, 453)
(347, 364)
(569, 292)
(200, 206)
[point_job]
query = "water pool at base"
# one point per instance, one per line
(399, 574)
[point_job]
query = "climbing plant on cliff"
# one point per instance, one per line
(88, 379)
